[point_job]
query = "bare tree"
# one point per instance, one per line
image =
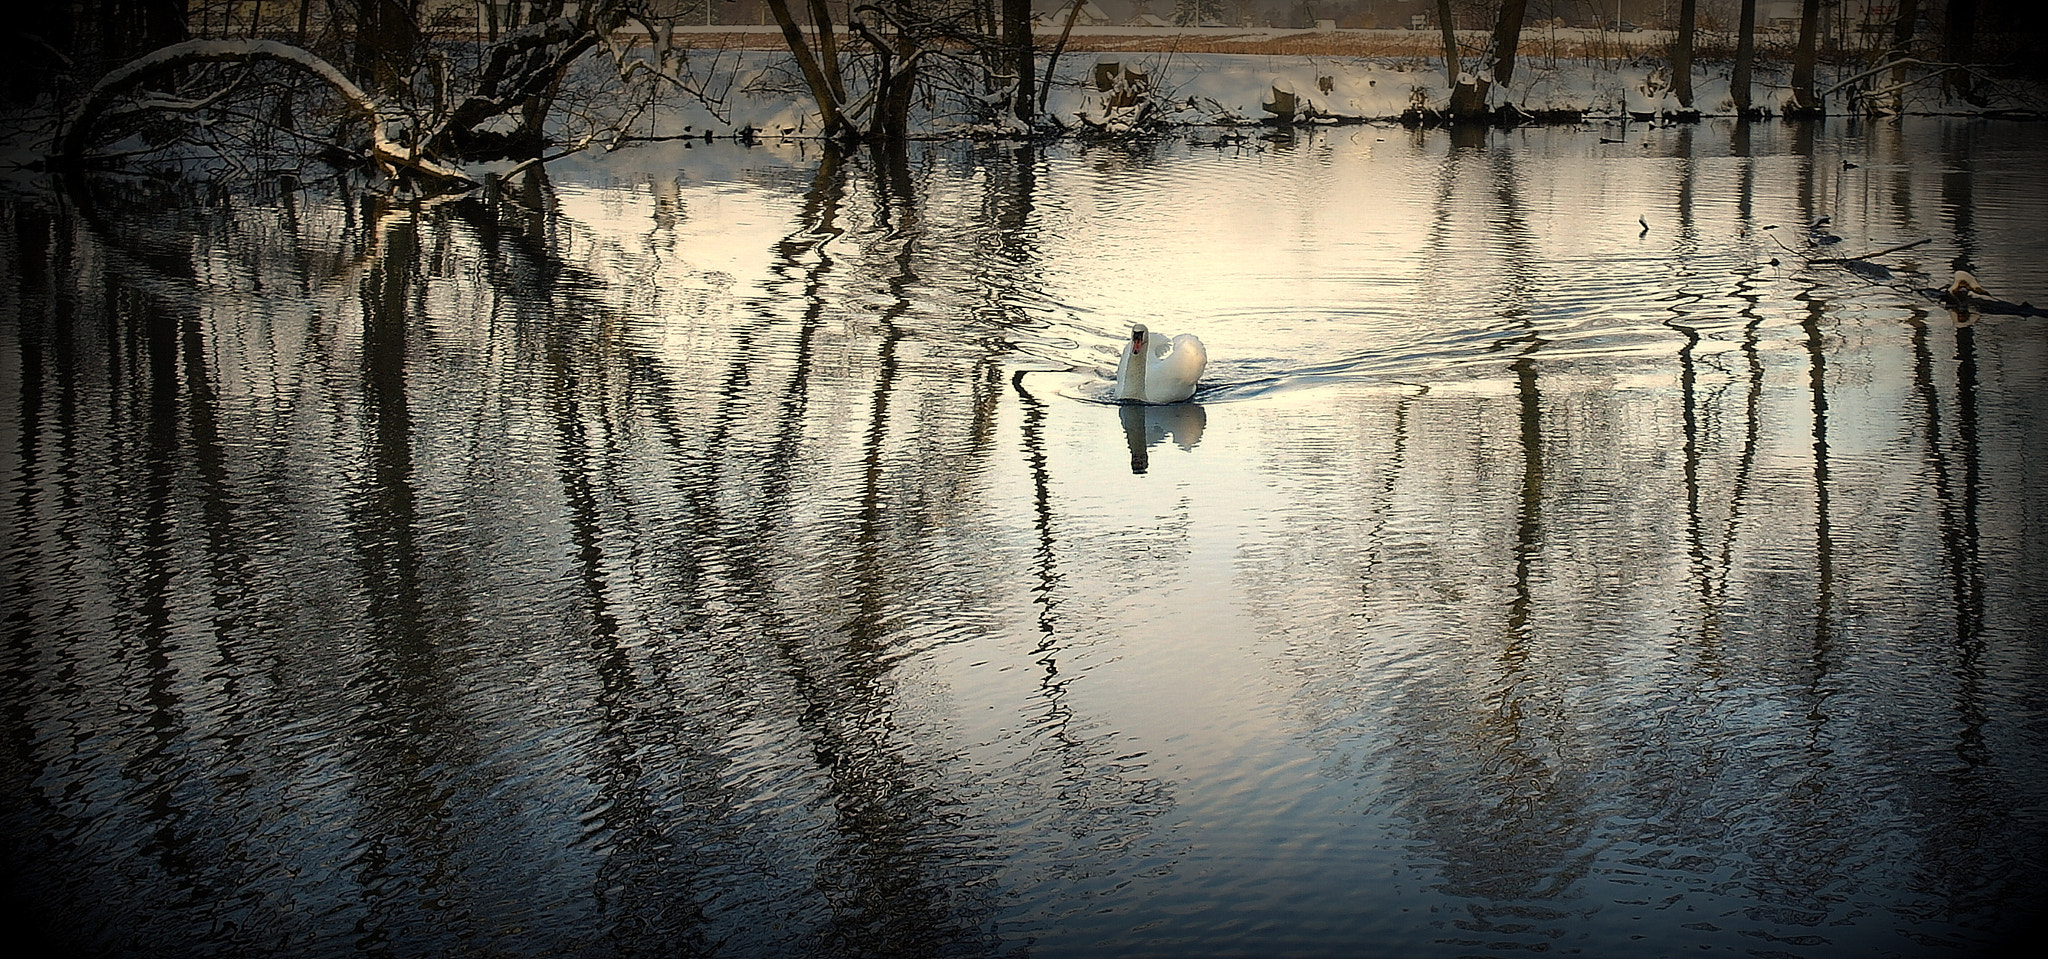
(414, 109)
(1052, 63)
(1191, 13)
(905, 46)
(826, 88)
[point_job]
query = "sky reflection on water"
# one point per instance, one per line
(727, 552)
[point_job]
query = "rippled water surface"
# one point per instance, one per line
(729, 552)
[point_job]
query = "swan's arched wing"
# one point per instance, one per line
(1171, 377)
(1184, 363)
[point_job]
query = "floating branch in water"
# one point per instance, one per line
(1839, 260)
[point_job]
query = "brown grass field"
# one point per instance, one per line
(1395, 44)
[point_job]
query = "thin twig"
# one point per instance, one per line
(521, 166)
(1869, 256)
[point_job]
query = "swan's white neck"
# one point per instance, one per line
(1134, 386)
(1176, 365)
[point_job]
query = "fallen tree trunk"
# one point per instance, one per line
(104, 102)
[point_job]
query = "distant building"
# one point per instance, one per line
(1778, 14)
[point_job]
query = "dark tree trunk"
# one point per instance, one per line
(1962, 30)
(163, 24)
(1017, 34)
(828, 48)
(1902, 40)
(1745, 59)
(1804, 103)
(1681, 56)
(1962, 42)
(893, 114)
(1902, 28)
(1507, 39)
(1443, 17)
(128, 28)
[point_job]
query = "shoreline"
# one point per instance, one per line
(1216, 76)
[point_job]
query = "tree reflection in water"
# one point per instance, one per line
(728, 560)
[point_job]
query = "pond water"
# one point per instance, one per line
(724, 551)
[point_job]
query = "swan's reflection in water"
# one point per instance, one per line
(1146, 426)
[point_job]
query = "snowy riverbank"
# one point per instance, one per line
(752, 91)
(1196, 89)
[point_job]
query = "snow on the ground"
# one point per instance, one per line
(1208, 88)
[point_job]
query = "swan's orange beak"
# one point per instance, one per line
(1137, 341)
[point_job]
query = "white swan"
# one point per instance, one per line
(1154, 369)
